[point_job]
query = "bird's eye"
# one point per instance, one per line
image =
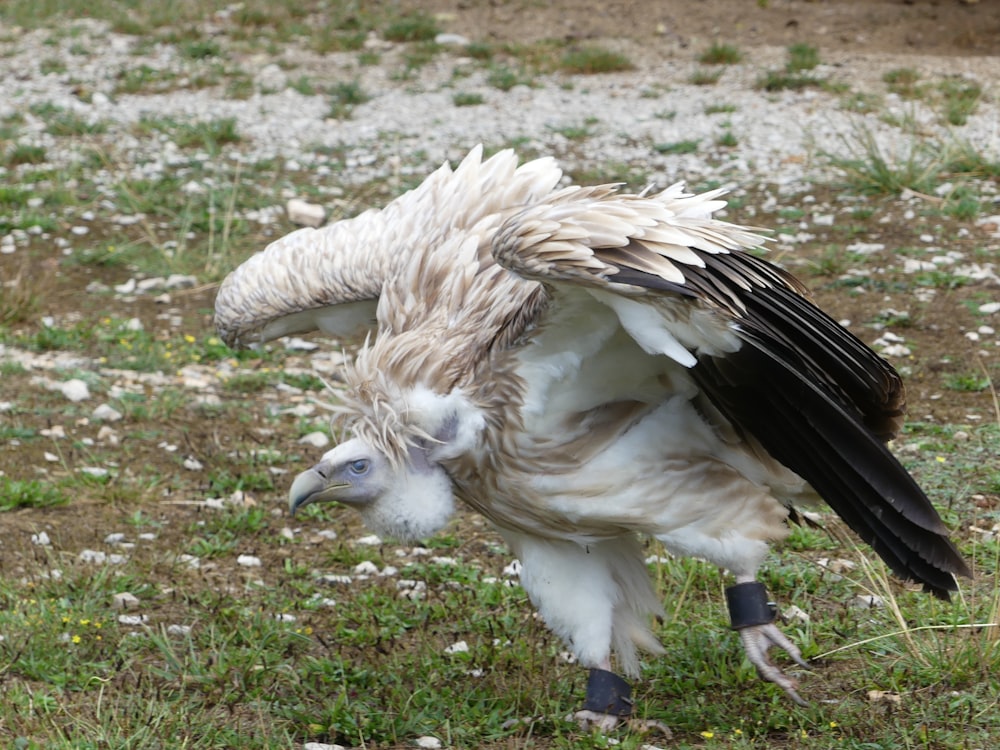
(359, 467)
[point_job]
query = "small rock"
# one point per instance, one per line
(795, 613)
(315, 439)
(370, 541)
(458, 647)
(249, 561)
(127, 288)
(132, 619)
(990, 307)
(453, 40)
(75, 390)
(428, 742)
(296, 344)
(106, 413)
(41, 539)
(321, 746)
(193, 464)
(876, 696)
(178, 629)
(867, 601)
(125, 600)
(93, 556)
(304, 213)
(366, 568)
(107, 435)
(114, 538)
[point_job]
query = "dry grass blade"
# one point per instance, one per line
(20, 295)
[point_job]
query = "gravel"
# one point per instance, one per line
(411, 124)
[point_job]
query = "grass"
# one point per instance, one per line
(705, 77)
(720, 54)
(344, 97)
(467, 99)
(917, 164)
(800, 59)
(592, 60)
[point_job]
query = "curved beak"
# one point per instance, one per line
(312, 486)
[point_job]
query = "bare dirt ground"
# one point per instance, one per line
(919, 27)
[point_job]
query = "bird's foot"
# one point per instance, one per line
(609, 705)
(600, 722)
(609, 701)
(752, 614)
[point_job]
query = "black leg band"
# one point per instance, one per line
(749, 605)
(607, 693)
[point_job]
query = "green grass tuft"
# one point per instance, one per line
(720, 54)
(594, 60)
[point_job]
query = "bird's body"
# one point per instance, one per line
(584, 367)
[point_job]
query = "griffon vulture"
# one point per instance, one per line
(586, 367)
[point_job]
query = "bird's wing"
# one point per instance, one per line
(330, 279)
(684, 286)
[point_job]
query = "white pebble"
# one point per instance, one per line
(249, 561)
(132, 619)
(795, 613)
(315, 439)
(178, 629)
(370, 541)
(106, 413)
(193, 464)
(428, 742)
(867, 601)
(304, 213)
(321, 746)
(75, 390)
(366, 568)
(125, 600)
(92, 556)
(115, 538)
(41, 539)
(458, 647)
(990, 307)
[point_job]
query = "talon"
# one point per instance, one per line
(757, 640)
(590, 720)
(752, 614)
(604, 723)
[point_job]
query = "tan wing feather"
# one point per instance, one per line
(330, 278)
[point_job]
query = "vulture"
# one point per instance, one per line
(587, 368)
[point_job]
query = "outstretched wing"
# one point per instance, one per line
(330, 279)
(684, 286)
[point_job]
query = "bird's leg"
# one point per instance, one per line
(752, 614)
(609, 700)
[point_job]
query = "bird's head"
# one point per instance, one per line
(406, 500)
